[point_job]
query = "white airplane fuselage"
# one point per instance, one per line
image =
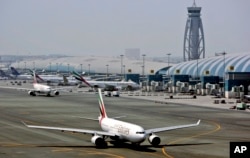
(119, 85)
(124, 130)
(42, 88)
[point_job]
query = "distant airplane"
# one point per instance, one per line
(48, 78)
(3, 75)
(107, 84)
(38, 88)
(118, 130)
(69, 82)
(43, 78)
(15, 74)
(57, 80)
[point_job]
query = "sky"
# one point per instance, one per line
(108, 27)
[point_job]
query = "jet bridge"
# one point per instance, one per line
(236, 79)
(209, 84)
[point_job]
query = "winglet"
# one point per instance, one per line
(198, 122)
(24, 123)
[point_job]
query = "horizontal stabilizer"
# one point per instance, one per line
(93, 119)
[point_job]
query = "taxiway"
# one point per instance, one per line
(210, 139)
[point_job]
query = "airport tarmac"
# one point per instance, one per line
(210, 139)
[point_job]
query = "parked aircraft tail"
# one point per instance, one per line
(2, 73)
(37, 76)
(14, 71)
(65, 80)
(80, 78)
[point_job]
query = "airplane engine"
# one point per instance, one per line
(98, 141)
(154, 140)
(32, 93)
(56, 92)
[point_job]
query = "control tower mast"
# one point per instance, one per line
(194, 42)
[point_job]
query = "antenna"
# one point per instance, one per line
(194, 4)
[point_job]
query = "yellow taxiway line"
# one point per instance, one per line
(218, 127)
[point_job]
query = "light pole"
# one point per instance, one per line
(25, 66)
(34, 67)
(50, 67)
(197, 69)
(143, 64)
(81, 68)
(107, 71)
(121, 64)
(68, 69)
(124, 69)
(56, 67)
(224, 67)
(89, 68)
(224, 55)
(168, 62)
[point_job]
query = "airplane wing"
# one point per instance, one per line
(84, 131)
(18, 88)
(156, 130)
(65, 88)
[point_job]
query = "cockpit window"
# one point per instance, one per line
(140, 132)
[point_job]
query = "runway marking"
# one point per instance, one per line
(99, 153)
(107, 154)
(218, 127)
(158, 155)
(24, 113)
(62, 150)
(10, 144)
(163, 149)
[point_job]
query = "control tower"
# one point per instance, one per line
(194, 42)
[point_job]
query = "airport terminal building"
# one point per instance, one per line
(213, 66)
(227, 73)
(204, 75)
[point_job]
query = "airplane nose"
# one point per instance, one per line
(142, 138)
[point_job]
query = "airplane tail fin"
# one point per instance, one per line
(65, 80)
(80, 78)
(14, 71)
(34, 76)
(37, 76)
(101, 105)
(2, 73)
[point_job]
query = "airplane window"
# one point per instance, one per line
(140, 132)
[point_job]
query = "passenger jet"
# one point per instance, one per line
(40, 88)
(118, 130)
(37, 88)
(107, 84)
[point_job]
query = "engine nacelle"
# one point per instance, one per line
(56, 92)
(98, 141)
(154, 140)
(32, 93)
